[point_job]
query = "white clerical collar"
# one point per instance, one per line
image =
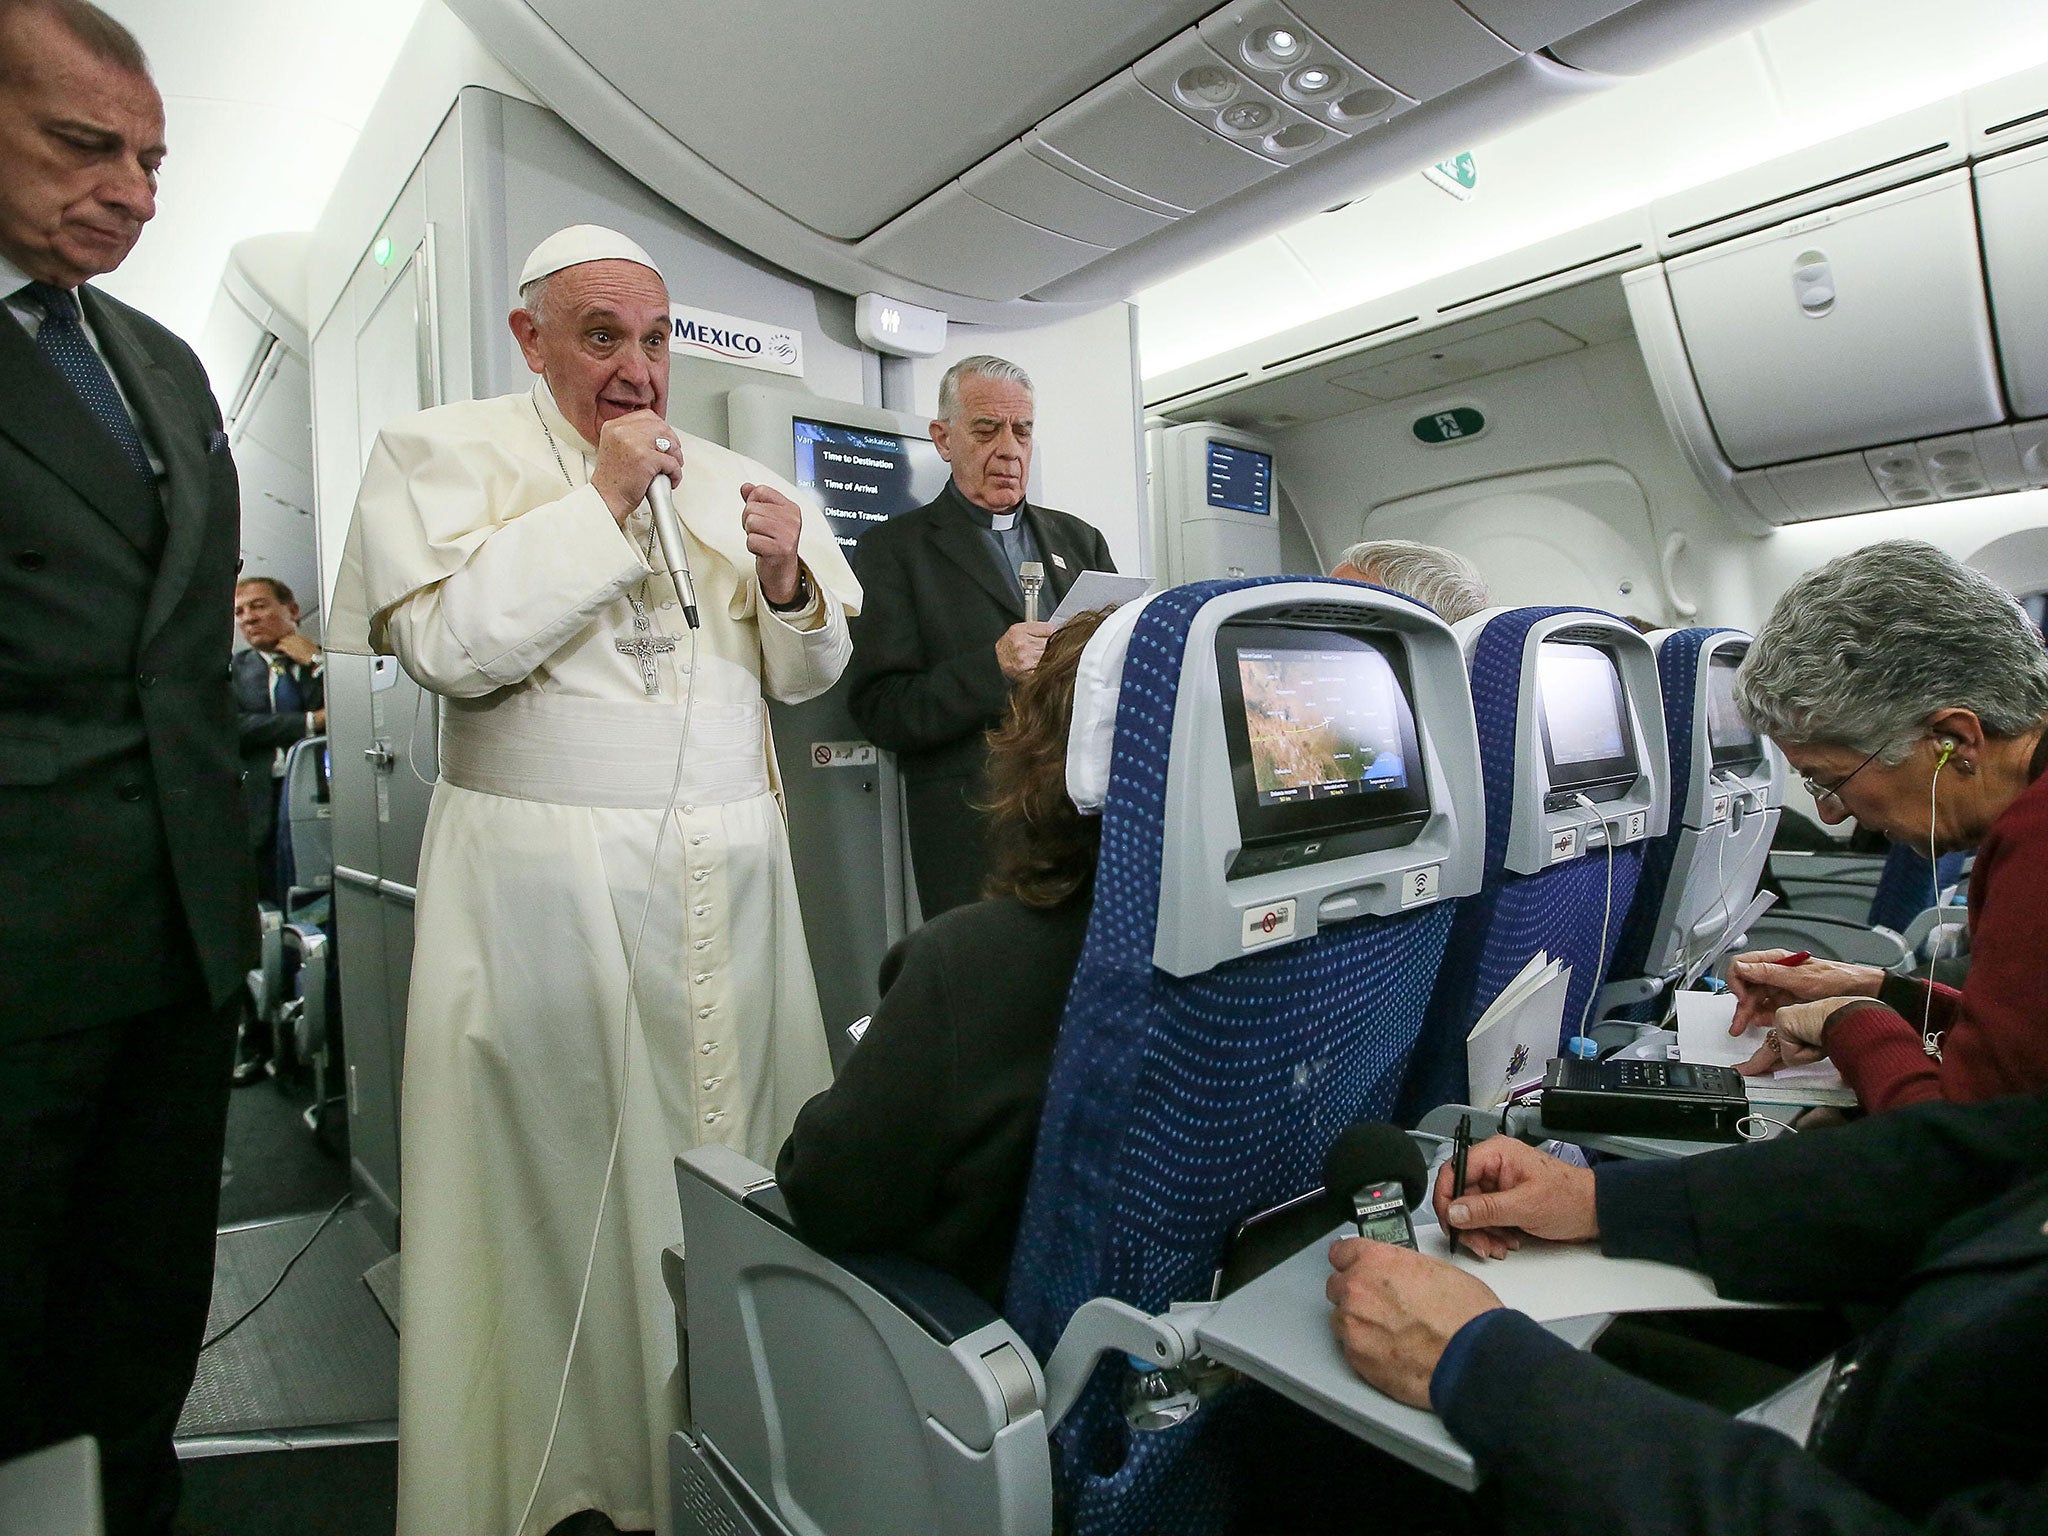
(1002, 522)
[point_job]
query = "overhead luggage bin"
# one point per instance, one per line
(882, 148)
(1845, 329)
(2012, 212)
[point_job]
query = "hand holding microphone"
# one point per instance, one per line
(634, 453)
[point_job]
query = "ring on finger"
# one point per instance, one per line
(662, 444)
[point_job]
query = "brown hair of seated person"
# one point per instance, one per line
(1041, 849)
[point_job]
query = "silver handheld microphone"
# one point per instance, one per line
(668, 534)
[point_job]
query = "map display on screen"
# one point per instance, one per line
(1322, 724)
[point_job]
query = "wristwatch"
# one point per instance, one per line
(802, 597)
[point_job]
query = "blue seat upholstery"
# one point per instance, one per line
(1678, 667)
(1907, 886)
(1496, 932)
(1176, 1107)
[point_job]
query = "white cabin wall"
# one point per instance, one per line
(1590, 406)
(1090, 457)
(1961, 528)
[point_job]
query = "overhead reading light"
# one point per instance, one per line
(1207, 85)
(1312, 81)
(1274, 48)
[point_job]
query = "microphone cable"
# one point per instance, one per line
(675, 790)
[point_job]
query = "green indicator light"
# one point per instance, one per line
(381, 251)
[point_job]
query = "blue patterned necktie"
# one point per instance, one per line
(63, 343)
(286, 698)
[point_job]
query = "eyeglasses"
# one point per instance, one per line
(1832, 791)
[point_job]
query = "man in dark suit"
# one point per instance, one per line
(943, 635)
(1934, 1217)
(126, 918)
(280, 698)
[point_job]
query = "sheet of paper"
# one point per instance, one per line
(1555, 1280)
(1703, 1038)
(1098, 589)
(1517, 1035)
(1819, 1083)
(1730, 937)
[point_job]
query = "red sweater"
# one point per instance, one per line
(1994, 1031)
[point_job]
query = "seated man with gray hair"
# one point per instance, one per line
(1911, 692)
(945, 634)
(1430, 574)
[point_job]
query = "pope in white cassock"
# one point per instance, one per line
(503, 550)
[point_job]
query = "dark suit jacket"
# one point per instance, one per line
(263, 730)
(924, 681)
(1936, 1214)
(118, 765)
(923, 1145)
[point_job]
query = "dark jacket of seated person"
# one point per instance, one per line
(1936, 1215)
(923, 1145)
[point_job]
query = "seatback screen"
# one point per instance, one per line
(863, 477)
(1583, 716)
(1323, 744)
(1240, 479)
(1322, 723)
(1733, 743)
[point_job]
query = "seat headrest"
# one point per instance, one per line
(1098, 683)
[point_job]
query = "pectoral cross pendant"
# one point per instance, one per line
(645, 646)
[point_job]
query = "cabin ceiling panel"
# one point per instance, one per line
(1421, 48)
(1533, 24)
(844, 116)
(1437, 364)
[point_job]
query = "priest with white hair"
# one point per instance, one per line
(609, 964)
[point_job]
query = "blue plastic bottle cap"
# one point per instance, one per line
(1585, 1047)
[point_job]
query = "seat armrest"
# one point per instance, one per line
(937, 1302)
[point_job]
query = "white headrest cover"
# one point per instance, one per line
(1098, 683)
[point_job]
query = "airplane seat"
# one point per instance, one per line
(1202, 1072)
(1726, 788)
(1546, 884)
(307, 1013)
(1258, 960)
(1909, 886)
(838, 1395)
(305, 832)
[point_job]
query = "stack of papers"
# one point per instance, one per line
(1703, 1040)
(1098, 589)
(1515, 1038)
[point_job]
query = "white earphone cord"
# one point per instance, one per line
(1929, 1041)
(1606, 912)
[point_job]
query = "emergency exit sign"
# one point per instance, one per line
(1451, 426)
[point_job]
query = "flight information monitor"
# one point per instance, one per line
(1240, 479)
(1734, 744)
(1321, 729)
(1587, 742)
(864, 477)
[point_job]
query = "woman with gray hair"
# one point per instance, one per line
(1911, 692)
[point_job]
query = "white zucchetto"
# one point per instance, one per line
(579, 243)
